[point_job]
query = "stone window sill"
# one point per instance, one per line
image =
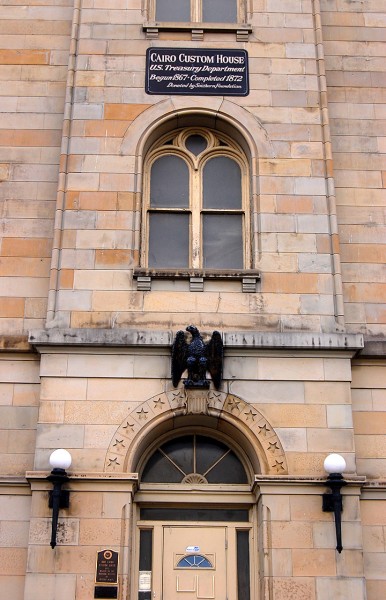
(196, 277)
(242, 30)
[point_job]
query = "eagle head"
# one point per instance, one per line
(193, 330)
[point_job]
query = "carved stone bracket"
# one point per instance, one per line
(196, 402)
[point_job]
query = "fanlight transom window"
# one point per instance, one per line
(194, 561)
(194, 459)
(196, 215)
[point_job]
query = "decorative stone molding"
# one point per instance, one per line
(155, 411)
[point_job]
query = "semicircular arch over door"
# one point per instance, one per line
(228, 416)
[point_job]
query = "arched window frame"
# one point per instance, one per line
(194, 441)
(204, 563)
(218, 144)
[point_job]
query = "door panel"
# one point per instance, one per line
(202, 575)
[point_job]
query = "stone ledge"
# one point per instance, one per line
(100, 337)
(374, 489)
(248, 278)
(153, 338)
(13, 480)
(300, 485)
(14, 485)
(84, 476)
(197, 29)
(225, 274)
(14, 343)
(375, 484)
(304, 480)
(206, 26)
(294, 340)
(374, 348)
(86, 481)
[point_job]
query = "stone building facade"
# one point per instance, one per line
(129, 214)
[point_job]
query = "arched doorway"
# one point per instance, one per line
(195, 519)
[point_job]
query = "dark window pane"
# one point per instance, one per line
(228, 470)
(222, 184)
(208, 452)
(180, 451)
(220, 11)
(238, 515)
(145, 549)
(243, 577)
(145, 557)
(170, 10)
(213, 460)
(169, 183)
(223, 242)
(159, 468)
(196, 144)
(168, 240)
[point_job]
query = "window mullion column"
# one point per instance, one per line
(196, 10)
(195, 203)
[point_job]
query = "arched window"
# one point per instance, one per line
(194, 459)
(197, 189)
(194, 561)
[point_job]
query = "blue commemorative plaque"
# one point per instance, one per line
(197, 72)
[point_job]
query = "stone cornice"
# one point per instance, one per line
(86, 481)
(163, 339)
(289, 484)
(14, 343)
(374, 348)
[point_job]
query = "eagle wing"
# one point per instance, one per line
(179, 354)
(215, 352)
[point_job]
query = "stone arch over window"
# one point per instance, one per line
(217, 114)
(223, 117)
(227, 418)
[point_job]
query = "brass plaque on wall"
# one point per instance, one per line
(107, 567)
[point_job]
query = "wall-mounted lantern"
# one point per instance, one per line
(335, 465)
(60, 460)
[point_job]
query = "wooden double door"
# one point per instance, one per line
(197, 561)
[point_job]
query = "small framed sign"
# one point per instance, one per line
(197, 72)
(144, 581)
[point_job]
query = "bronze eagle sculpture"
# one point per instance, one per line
(197, 357)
